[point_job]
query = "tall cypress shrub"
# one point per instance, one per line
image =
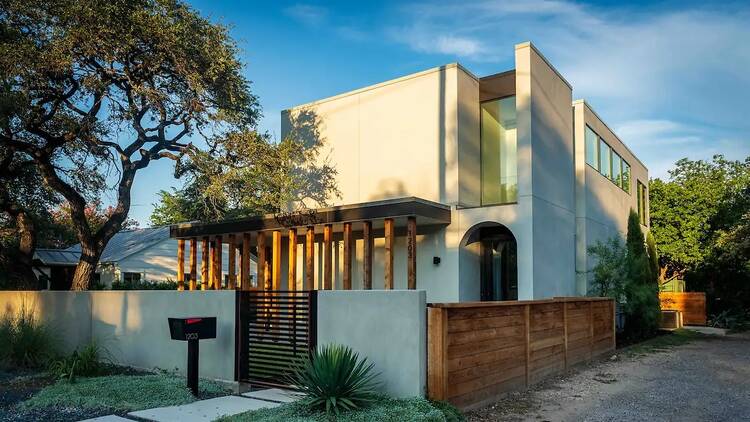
(641, 293)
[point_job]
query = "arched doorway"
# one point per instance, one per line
(498, 260)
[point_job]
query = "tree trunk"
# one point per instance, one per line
(86, 267)
(26, 248)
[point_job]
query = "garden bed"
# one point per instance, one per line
(37, 396)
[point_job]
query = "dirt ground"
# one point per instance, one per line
(704, 380)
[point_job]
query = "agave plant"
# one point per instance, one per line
(334, 378)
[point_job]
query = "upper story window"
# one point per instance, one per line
(642, 202)
(606, 161)
(592, 148)
(499, 162)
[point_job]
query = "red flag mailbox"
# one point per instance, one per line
(192, 329)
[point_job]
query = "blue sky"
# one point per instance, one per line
(672, 78)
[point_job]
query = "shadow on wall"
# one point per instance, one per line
(316, 173)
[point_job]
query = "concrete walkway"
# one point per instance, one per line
(209, 410)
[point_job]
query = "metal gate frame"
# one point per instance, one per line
(273, 330)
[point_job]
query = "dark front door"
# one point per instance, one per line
(499, 266)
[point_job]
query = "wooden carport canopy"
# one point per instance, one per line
(370, 220)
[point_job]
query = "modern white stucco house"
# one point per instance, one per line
(527, 178)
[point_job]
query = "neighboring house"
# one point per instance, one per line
(141, 254)
(505, 179)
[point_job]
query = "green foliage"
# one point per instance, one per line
(383, 409)
(732, 319)
(86, 363)
(168, 284)
(120, 393)
(624, 274)
(25, 341)
(701, 221)
(334, 379)
(664, 342)
(609, 275)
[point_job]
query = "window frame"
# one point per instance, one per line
(481, 178)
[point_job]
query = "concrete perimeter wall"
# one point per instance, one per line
(132, 325)
(387, 327)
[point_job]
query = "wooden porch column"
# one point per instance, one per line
(193, 262)
(204, 263)
(310, 258)
(262, 261)
(245, 263)
(389, 235)
(347, 256)
(232, 283)
(180, 264)
(292, 276)
(276, 260)
(411, 252)
(327, 257)
(211, 264)
(217, 259)
(367, 251)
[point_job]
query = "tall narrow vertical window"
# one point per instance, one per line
(498, 151)
(605, 159)
(592, 148)
(616, 169)
(625, 176)
(642, 202)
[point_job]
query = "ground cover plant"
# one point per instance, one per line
(120, 393)
(382, 409)
(664, 342)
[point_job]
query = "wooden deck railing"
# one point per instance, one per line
(479, 350)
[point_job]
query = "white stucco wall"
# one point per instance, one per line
(389, 328)
(602, 208)
(132, 325)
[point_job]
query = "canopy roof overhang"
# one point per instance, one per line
(427, 213)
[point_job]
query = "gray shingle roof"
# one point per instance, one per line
(122, 245)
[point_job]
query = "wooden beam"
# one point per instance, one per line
(310, 258)
(217, 259)
(348, 246)
(245, 262)
(411, 252)
(527, 342)
(389, 235)
(327, 257)
(437, 353)
(211, 265)
(367, 251)
(232, 283)
(276, 260)
(292, 274)
(204, 263)
(262, 261)
(193, 262)
(180, 264)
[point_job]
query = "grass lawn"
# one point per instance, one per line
(664, 342)
(384, 410)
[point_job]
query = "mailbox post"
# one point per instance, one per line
(192, 330)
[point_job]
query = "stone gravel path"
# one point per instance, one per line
(705, 380)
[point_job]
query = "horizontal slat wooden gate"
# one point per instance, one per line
(275, 330)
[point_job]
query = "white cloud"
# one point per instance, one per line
(307, 14)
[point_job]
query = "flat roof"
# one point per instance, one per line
(428, 213)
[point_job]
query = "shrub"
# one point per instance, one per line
(335, 379)
(86, 363)
(26, 342)
(732, 319)
(145, 285)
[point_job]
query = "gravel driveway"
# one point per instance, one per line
(705, 380)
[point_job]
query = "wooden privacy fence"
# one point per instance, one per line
(479, 350)
(691, 304)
